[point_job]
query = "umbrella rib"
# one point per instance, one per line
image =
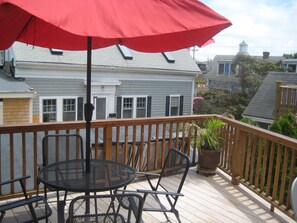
(25, 27)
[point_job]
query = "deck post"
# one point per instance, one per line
(107, 142)
(236, 158)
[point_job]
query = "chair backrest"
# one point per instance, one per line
(61, 147)
(177, 164)
(294, 197)
(126, 207)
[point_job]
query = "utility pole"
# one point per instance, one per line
(194, 49)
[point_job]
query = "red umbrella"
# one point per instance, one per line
(142, 25)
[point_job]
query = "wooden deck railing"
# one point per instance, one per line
(263, 161)
(285, 99)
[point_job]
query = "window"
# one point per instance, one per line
(128, 108)
(49, 110)
(141, 107)
(69, 109)
(221, 68)
(61, 109)
(56, 51)
(168, 56)
(134, 107)
(174, 105)
(226, 69)
(292, 67)
(125, 52)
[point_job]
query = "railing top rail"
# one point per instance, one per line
(50, 126)
(287, 141)
(273, 136)
(289, 86)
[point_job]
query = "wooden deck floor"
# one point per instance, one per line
(210, 199)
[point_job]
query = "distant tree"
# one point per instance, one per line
(221, 101)
(252, 71)
(290, 56)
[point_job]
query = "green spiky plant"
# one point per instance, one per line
(208, 135)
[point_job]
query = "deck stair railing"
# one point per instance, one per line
(285, 99)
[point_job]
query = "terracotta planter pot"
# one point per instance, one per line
(208, 161)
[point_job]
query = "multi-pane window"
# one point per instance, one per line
(221, 68)
(49, 107)
(60, 109)
(292, 67)
(141, 107)
(134, 107)
(128, 108)
(69, 107)
(225, 69)
(174, 105)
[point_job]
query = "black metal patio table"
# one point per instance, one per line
(71, 176)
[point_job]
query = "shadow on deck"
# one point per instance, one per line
(207, 199)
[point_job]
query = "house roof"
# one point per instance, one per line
(107, 57)
(261, 107)
(14, 88)
(229, 59)
(223, 58)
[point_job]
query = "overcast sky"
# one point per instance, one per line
(265, 25)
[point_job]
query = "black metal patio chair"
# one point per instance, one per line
(60, 147)
(176, 165)
(34, 214)
(115, 208)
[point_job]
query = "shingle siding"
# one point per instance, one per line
(158, 90)
(16, 111)
(55, 87)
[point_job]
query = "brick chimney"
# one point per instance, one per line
(266, 55)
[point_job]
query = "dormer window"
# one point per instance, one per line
(56, 51)
(168, 56)
(127, 55)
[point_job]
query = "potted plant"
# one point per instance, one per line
(207, 138)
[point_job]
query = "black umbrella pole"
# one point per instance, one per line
(88, 106)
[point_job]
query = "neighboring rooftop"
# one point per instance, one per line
(107, 57)
(261, 107)
(9, 85)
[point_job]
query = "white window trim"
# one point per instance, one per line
(134, 104)
(59, 111)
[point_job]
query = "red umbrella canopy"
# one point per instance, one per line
(142, 25)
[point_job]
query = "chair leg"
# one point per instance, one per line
(37, 191)
(33, 214)
(176, 215)
(65, 196)
(2, 215)
(167, 218)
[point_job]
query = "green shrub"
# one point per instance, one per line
(285, 125)
(249, 121)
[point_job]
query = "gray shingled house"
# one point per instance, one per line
(261, 107)
(222, 73)
(125, 83)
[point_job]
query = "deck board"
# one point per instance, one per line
(210, 199)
